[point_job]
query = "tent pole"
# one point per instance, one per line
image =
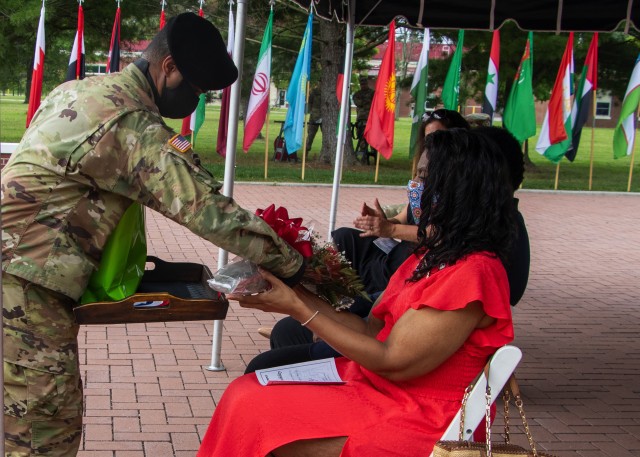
(344, 117)
(230, 160)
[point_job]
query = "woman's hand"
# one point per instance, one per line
(279, 299)
(374, 222)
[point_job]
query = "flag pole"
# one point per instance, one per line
(555, 187)
(306, 129)
(375, 178)
(633, 154)
(593, 130)
(266, 144)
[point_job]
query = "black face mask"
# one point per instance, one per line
(175, 103)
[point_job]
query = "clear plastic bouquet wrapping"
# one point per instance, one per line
(328, 273)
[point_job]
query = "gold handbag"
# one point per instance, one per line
(462, 448)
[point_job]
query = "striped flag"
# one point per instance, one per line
(163, 19)
(419, 93)
(76, 60)
(584, 96)
(555, 135)
(113, 62)
(520, 112)
(259, 98)
(297, 92)
(223, 123)
(379, 130)
(38, 71)
(491, 89)
(625, 132)
(451, 88)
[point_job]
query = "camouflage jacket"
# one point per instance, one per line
(362, 100)
(94, 147)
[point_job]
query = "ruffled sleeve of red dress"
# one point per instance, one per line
(479, 277)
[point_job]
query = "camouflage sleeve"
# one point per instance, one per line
(168, 181)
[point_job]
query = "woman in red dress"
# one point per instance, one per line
(445, 311)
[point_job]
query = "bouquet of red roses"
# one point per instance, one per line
(328, 272)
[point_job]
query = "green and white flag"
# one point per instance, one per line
(197, 118)
(520, 112)
(625, 132)
(419, 93)
(451, 88)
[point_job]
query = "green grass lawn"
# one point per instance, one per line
(608, 174)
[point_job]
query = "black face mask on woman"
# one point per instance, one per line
(174, 103)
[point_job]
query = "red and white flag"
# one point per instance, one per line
(223, 124)
(76, 60)
(259, 99)
(555, 136)
(163, 19)
(38, 66)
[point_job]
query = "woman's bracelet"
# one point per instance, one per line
(304, 324)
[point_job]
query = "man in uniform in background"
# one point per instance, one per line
(315, 117)
(362, 99)
(94, 147)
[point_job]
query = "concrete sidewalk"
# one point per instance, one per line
(148, 392)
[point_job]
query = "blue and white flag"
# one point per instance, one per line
(297, 93)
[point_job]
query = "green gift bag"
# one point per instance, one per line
(123, 259)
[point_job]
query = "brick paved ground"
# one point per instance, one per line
(148, 392)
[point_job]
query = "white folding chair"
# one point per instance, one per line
(501, 367)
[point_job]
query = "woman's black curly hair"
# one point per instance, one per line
(467, 204)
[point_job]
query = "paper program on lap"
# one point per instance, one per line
(313, 372)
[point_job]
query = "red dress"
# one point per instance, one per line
(379, 417)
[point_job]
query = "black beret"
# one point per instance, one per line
(199, 52)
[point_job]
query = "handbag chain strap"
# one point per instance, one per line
(487, 396)
(506, 397)
(467, 391)
(487, 420)
(518, 402)
(512, 389)
(515, 390)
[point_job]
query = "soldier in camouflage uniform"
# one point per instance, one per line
(362, 99)
(315, 117)
(94, 147)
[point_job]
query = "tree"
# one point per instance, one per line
(19, 23)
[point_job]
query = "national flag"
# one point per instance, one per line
(297, 92)
(519, 115)
(189, 122)
(163, 19)
(555, 136)
(419, 93)
(491, 89)
(625, 132)
(339, 83)
(584, 96)
(38, 71)
(197, 117)
(379, 129)
(113, 62)
(223, 123)
(76, 60)
(259, 98)
(451, 88)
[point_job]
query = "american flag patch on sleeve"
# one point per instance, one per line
(179, 143)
